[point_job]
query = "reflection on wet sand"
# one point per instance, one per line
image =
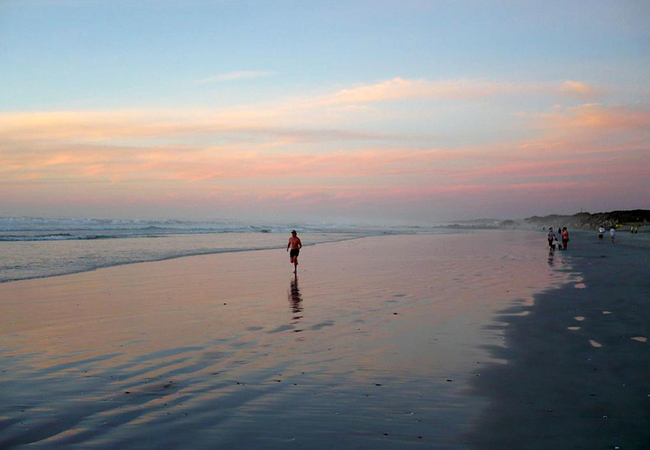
(201, 352)
(295, 298)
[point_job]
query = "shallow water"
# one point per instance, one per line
(44, 258)
(36, 248)
(373, 345)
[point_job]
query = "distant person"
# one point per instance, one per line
(551, 238)
(565, 238)
(601, 233)
(612, 234)
(295, 245)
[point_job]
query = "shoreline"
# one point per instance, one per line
(319, 238)
(183, 254)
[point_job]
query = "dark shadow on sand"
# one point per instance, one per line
(575, 378)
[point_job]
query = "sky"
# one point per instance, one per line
(354, 111)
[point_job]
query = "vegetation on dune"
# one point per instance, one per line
(585, 220)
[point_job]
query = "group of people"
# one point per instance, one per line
(554, 241)
(601, 233)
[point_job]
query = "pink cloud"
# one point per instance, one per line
(196, 164)
(578, 90)
(461, 89)
(596, 116)
(268, 125)
(317, 118)
(587, 130)
(248, 157)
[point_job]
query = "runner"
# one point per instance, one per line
(295, 245)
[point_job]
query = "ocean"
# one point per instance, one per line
(43, 247)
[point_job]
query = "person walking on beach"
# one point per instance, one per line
(565, 238)
(612, 234)
(551, 238)
(601, 232)
(295, 245)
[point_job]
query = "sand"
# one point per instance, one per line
(387, 342)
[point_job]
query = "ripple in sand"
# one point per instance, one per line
(318, 326)
(579, 318)
(573, 328)
(281, 329)
(594, 344)
(640, 339)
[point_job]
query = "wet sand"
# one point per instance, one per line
(578, 372)
(380, 343)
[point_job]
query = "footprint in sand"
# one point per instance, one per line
(579, 318)
(606, 313)
(573, 328)
(640, 339)
(595, 344)
(580, 286)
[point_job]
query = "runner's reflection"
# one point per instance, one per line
(295, 299)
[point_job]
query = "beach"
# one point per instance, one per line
(577, 373)
(476, 339)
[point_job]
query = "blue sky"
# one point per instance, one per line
(479, 78)
(87, 53)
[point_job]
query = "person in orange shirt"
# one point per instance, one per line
(295, 245)
(565, 238)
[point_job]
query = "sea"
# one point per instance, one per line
(33, 247)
